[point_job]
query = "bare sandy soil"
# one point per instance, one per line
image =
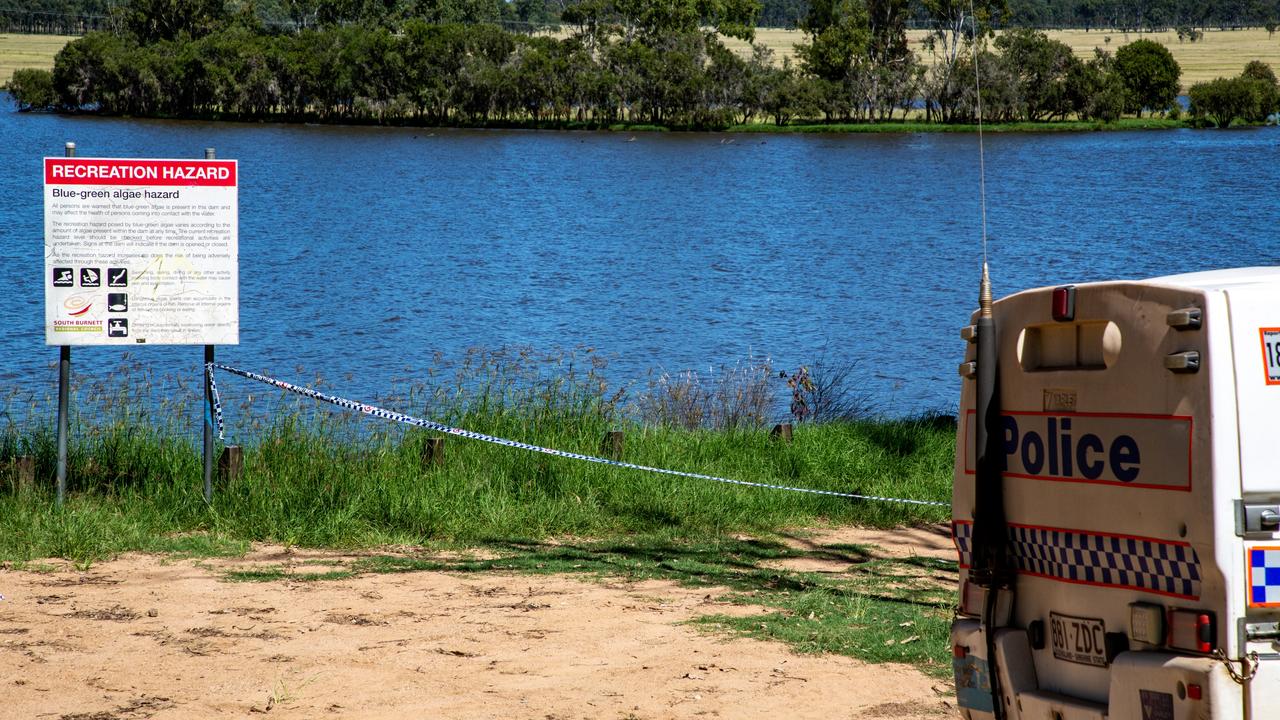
(149, 637)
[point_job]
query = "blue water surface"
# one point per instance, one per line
(365, 252)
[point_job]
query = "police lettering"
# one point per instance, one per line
(1060, 454)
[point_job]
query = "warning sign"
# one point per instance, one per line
(141, 251)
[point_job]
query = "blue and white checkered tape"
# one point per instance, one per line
(1163, 567)
(213, 413)
(375, 411)
(1264, 576)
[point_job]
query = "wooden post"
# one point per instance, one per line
(433, 452)
(24, 473)
(230, 464)
(781, 431)
(18, 473)
(611, 445)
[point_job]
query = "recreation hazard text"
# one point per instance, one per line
(141, 251)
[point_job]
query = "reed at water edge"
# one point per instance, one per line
(315, 475)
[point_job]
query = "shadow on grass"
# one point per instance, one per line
(876, 609)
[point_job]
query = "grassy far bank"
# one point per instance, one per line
(911, 126)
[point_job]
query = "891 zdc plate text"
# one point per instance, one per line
(1079, 640)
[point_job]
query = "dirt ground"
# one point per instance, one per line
(148, 637)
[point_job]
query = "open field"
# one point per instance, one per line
(28, 51)
(304, 634)
(1221, 53)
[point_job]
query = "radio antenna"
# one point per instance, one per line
(982, 161)
(990, 561)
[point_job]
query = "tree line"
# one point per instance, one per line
(1144, 14)
(658, 62)
(80, 16)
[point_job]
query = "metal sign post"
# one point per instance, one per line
(64, 386)
(209, 154)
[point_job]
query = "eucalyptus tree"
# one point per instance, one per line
(889, 77)
(1094, 91)
(153, 20)
(649, 20)
(1041, 68)
(953, 25)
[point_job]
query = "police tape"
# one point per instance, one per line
(213, 414)
(375, 411)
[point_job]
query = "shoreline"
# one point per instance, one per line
(804, 128)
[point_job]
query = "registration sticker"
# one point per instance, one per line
(1271, 354)
(1079, 640)
(1156, 705)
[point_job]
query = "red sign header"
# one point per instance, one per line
(111, 171)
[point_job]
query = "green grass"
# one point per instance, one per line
(135, 488)
(276, 573)
(920, 127)
(319, 476)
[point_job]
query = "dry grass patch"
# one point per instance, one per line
(28, 51)
(1220, 53)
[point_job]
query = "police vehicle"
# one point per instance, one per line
(1117, 502)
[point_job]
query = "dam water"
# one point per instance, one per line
(368, 255)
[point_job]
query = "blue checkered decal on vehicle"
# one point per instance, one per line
(1158, 566)
(1264, 577)
(962, 536)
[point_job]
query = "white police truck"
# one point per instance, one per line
(1133, 502)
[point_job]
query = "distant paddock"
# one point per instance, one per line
(28, 51)
(1220, 53)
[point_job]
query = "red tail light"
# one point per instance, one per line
(1064, 303)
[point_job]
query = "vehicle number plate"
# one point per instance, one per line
(1079, 640)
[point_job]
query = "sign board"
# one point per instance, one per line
(141, 251)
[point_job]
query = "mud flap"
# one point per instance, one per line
(972, 672)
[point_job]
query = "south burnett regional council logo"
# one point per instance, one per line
(77, 305)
